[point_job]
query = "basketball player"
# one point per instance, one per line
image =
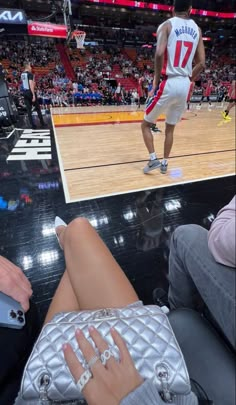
(232, 101)
(118, 94)
(207, 93)
(140, 90)
(30, 96)
(179, 41)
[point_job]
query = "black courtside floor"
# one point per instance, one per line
(136, 227)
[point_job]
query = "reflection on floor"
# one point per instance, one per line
(136, 227)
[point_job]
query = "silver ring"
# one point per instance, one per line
(92, 361)
(106, 355)
(84, 379)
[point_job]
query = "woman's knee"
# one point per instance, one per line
(76, 227)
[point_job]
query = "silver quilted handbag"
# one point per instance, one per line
(146, 331)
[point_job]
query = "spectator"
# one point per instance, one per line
(202, 264)
(75, 87)
(15, 345)
(134, 97)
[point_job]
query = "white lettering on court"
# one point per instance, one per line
(30, 154)
(24, 143)
(32, 145)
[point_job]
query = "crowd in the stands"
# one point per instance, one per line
(103, 74)
(40, 53)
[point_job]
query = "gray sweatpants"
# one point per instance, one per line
(193, 271)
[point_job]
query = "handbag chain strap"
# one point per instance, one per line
(44, 382)
(163, 376)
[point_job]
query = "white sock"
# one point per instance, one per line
(153, 156)
(164, 162)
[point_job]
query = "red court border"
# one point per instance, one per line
(107, 123)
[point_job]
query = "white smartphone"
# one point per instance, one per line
(11, 313)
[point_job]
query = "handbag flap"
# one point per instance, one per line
(148, 336)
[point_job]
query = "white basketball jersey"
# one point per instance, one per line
(181, 47)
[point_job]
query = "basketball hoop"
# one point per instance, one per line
(79, 36)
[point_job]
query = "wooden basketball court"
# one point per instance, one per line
(101, 150)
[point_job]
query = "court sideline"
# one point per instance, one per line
(101, 151)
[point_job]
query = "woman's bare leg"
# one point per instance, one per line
(64, 299)
(95, 277)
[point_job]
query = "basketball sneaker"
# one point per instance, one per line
(226, 116)
(155, 129)
(164, 167)
(152, 165)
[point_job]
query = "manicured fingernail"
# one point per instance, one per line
(91, 328)
(65, 346)
(78, 332)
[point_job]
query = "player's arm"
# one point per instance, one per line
(162, 39)
(199, 59)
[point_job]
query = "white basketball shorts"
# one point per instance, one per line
(170, 99)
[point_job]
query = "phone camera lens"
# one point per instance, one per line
(12, 314)
(20, 319)
(20, 313)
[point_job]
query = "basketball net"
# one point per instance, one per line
(79, 36)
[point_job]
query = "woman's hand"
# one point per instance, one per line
(111, 382)
(14, 283)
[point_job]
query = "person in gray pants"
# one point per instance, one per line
(203, 263)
